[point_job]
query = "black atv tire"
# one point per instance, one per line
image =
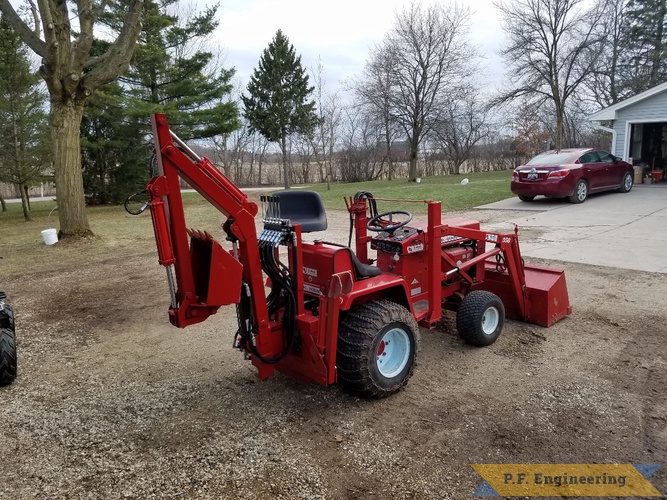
(366, 366)
(480, 318)
(8, 350)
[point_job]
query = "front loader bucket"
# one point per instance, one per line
(545, 302)
(548, 301)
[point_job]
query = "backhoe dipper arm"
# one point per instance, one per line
(207, 276)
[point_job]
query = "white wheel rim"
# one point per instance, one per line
(393, 352)
(581, 191)
(628, 182)
(490, 320)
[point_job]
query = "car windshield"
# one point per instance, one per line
(550, 159)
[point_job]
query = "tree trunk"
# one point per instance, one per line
(283, 147)
(24, 204)
(65, 128)
(413, 165)
(27, 196)
(3, 203)
(560, 126)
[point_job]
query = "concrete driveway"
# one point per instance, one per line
(610, 229)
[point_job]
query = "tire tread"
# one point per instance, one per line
(356, 333)
(468, 317)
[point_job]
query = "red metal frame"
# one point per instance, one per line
(533, 294)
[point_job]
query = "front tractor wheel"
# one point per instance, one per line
(377, 348)
(480, 318)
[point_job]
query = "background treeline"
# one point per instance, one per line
(420, 107)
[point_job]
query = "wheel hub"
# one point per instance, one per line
(490, 320)
(393, 352)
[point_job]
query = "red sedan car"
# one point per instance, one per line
(571, 173)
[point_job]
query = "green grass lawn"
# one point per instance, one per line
(22, 248)
(116, 233)
(484, 187)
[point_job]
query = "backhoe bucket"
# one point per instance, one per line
(217, 274)
(546, 298)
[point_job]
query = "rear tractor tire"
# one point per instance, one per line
(480, 318)
(377, 348)
(7, 349)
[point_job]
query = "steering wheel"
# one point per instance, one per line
(377, 224)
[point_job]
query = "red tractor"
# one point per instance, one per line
(319, 311)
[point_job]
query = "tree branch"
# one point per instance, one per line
(27, 35)
(117, 57)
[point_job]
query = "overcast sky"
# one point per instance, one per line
(340, 32)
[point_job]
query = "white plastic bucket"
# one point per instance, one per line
(50, 236)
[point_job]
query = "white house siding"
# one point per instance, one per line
(651, 109)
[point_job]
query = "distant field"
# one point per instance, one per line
(483, 187)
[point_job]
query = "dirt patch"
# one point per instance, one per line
(113, 402)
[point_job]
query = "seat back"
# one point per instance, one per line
(304, 208)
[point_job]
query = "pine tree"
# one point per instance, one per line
(169, 74)
(646, 44)
(278, 102)
(23, 122)
(115, 154)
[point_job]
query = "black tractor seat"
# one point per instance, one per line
(306, 208)
(360, 270)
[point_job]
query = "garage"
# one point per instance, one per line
(638, 126)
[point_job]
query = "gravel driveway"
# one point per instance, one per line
(113, 402)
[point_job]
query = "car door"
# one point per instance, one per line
(615, 169)
(593, 170)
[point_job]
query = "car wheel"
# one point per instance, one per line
(627, 183)
(580, 192)
(523, 197)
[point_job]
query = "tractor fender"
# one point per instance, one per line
(387, 287)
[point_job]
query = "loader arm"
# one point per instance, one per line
(207, 276)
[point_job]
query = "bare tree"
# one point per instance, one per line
(359, 155)
(324, 136)
(71, 74)
(551, 48)
(529, 134)
(605, 83)
(230, 151)
(375, 89)
(431, 57)
(230, 147)
(461, 126)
